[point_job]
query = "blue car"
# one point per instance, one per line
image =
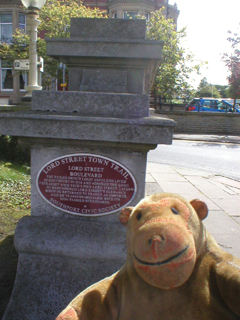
(211, 105)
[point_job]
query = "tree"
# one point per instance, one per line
(203, 83)
(223, 90)
(232, 61)
(55, 19)
(176, 65)
(173, 74)
(56, 16)
(206, 89)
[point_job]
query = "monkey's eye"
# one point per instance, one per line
(139, 215)
(174, 210)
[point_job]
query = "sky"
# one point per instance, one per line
(208, 22)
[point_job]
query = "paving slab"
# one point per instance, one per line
(225, 231)
(237, 191)
(226, 181)
(157, 167)
(149, 178)
(230, 204)
(185, 189)
(192, 172)
(152, 188)
(159, 177)
(236, 218)
(225, 188)
(207, 187)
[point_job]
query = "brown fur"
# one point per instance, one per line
(174, 270)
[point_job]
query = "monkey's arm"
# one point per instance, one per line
(228, 281)
(98, 302)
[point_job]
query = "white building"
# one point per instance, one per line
(12, 16)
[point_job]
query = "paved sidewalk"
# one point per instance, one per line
(222, 196)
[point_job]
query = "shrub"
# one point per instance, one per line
(12, 151)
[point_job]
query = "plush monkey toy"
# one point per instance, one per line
(174, 270)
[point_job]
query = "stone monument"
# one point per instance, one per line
(88, 160)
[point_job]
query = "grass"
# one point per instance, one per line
(15, 202)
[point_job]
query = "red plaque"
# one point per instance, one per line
(86, 184)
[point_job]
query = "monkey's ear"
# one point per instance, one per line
(124, 215)
(200, 207)
(68, 313)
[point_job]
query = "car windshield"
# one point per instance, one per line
(194, 102)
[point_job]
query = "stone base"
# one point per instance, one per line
(58, 258)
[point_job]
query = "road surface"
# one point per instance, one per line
(218, 158)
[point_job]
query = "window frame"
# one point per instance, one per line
(4, 24)
(1, 71)
(20, 24)
(147, 16)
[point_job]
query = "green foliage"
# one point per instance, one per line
(223, 90)
(18, 49)
(172, 77)
(15, 202)
(232, 61)
(10, 150)
(203, 83)
(176, 64)
(13, 193)
(231, 93)
(15, 196)
(207, 90)
(55, 17)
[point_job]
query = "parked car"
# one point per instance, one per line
(211, 105)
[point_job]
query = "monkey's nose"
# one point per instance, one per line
(156, 239)
(156, 244)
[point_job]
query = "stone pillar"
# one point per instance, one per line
(88, 160)
(33, 23)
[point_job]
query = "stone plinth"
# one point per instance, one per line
(103, 130)
(108, 55)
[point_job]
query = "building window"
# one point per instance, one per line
(22, 22)
(6, 27)
(147, 16)
(7, 75)
(114, 15)
(22, 80)
(130, 14)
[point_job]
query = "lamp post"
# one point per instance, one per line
(32, 22)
